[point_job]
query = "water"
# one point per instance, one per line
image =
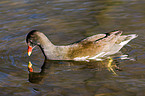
(66, 21)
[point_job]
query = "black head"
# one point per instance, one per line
(32, 40)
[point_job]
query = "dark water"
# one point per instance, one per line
(66, 21)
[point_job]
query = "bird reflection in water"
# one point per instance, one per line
(52, 66)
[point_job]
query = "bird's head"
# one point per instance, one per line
(32, 41)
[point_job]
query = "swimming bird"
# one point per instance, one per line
(93, 47)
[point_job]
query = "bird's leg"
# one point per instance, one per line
(110, 66)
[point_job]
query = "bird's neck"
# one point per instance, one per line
(44, 41)
(45, 44)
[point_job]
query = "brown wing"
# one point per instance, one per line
(93, 38)
(85, 47)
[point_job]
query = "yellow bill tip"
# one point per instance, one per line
(29, 53)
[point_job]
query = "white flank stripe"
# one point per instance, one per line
(97, 55)
(99, 59)
(81, 58)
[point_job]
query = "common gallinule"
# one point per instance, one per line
(93, 47)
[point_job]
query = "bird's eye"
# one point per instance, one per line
(31, 41)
